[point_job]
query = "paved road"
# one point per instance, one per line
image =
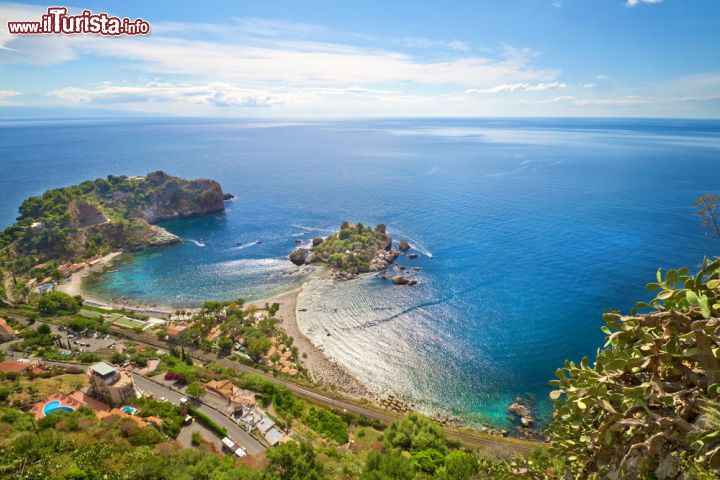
(471, 439)
(235, 432)
(468, 438)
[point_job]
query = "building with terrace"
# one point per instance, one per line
(110, 384)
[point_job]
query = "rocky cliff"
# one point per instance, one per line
(98, 216)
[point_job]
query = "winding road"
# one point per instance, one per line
(500, 445)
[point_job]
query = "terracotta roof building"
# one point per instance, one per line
(6, 331)
(8, 366)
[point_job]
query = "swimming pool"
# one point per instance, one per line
(128, 409)
(51, 407)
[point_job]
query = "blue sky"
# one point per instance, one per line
(405, 58)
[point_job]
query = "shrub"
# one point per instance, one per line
(327, 424)
(59, 302)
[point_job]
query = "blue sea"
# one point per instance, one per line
(527, 230)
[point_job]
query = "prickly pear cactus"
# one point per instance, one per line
(648, 404)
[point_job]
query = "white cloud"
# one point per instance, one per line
(516, 87)
(603, 77)
(5, 95)
(456, 45)
(255, 52)
(590, 85)
(634, 3)
(216, 94)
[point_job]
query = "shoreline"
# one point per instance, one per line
(320, 367)
(73, 286)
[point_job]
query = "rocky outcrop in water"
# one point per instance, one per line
(299, 256)
(353, 250)
(404, 246)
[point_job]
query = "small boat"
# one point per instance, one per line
(257, 242)
(238, 244)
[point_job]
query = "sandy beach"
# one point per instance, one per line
(322, 369)
(73, 286)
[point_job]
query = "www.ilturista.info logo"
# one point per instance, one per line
(57, 21)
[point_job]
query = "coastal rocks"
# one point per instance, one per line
(382, 259)
(380, 228)
(299, 256)
(520, 411)
(404, 246)
(228, 196)
(172, 198)
(317, 241)
(400, 280)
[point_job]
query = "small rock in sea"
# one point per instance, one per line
(299, 256)
(400, 280)
(298, 241)
(401, 267)
(416, 269)
(228, 196)
(404, 246)
(412, 255)
(412, 283)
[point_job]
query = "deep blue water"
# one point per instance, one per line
(535, 228)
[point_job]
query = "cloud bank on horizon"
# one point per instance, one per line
(531, 58)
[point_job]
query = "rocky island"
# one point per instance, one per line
(354, 249)
(65, 226)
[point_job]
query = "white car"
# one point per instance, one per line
(163, 399)
(183, 401)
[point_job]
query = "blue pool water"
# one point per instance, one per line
(535, 227)
(51, 407)
(128, 409)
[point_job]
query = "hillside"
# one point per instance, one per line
(115, 213)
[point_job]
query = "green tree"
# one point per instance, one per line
(58, 302)
(459, 465)
(44, 329)
(196, 390)
(290, 461)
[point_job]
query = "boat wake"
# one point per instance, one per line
(247, 245)
(196, 242)
(305, 230)
(419, 247)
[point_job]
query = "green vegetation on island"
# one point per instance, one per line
(64, 226)
(354, 249)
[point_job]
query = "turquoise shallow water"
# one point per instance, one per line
(535, 227)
